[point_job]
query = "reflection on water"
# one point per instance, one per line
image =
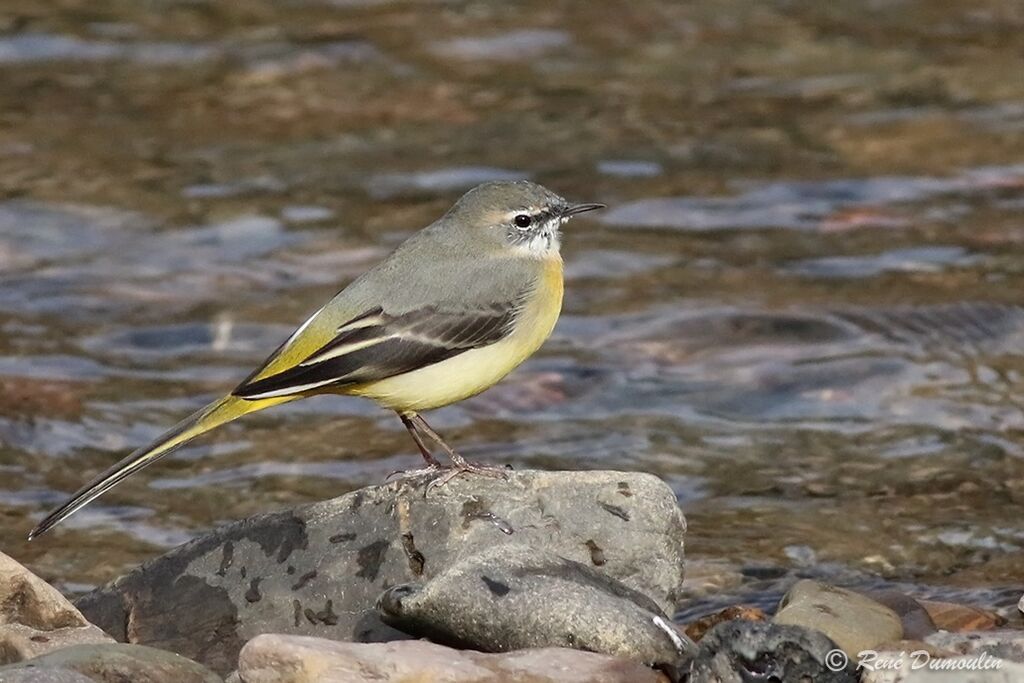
(801, 309)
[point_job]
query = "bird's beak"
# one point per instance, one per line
(581, 208)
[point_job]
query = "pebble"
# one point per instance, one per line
(948, 616)
(853, 621)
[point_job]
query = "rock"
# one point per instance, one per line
(742, 651)
(853, 621)
(18, 643)
(301, 659)
(28, 600)
(948, 616)
(114, 663)
(914, 617)
(318, 569)
(513, 597)
(699, 628)
(35, 618)
(33, 675)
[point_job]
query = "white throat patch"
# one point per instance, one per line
(543, 242)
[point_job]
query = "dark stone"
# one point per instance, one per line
(742, 651)
(917, 623)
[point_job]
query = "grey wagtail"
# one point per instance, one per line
(448, 314)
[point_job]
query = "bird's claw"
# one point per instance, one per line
(457, 470)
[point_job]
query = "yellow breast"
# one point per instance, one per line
(469, 373)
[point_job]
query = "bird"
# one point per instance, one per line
(449, 313)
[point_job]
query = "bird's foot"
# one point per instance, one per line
(461, 467)
(430, 470)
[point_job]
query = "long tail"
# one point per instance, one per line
(214, 415)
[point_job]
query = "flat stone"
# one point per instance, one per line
(853, 621)
(948, 616)
(277, 658)
(319, 569)
(18, 642)
(115, 663)
(28, 600)
(513, 597)
(742, 651)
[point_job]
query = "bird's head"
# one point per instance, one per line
(520, 215)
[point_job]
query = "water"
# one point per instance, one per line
(800, 309)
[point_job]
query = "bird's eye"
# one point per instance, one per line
(522, 221)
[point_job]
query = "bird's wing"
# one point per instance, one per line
(376, 345)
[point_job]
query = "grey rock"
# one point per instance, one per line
(742, 651)
(276, 658)
(115, 663)
(512, 597)
(35, 618)
(318, 569)
(853, 621)
(33, 675)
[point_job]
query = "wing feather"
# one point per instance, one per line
(376, 345)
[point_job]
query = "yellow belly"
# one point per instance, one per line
(469, 373)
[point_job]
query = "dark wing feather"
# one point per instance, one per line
(376, 345)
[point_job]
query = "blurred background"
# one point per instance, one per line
(800, 308)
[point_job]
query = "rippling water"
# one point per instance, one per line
(802, 308)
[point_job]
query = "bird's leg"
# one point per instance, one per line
(407, 420)
(433, 465)
(459, 464)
